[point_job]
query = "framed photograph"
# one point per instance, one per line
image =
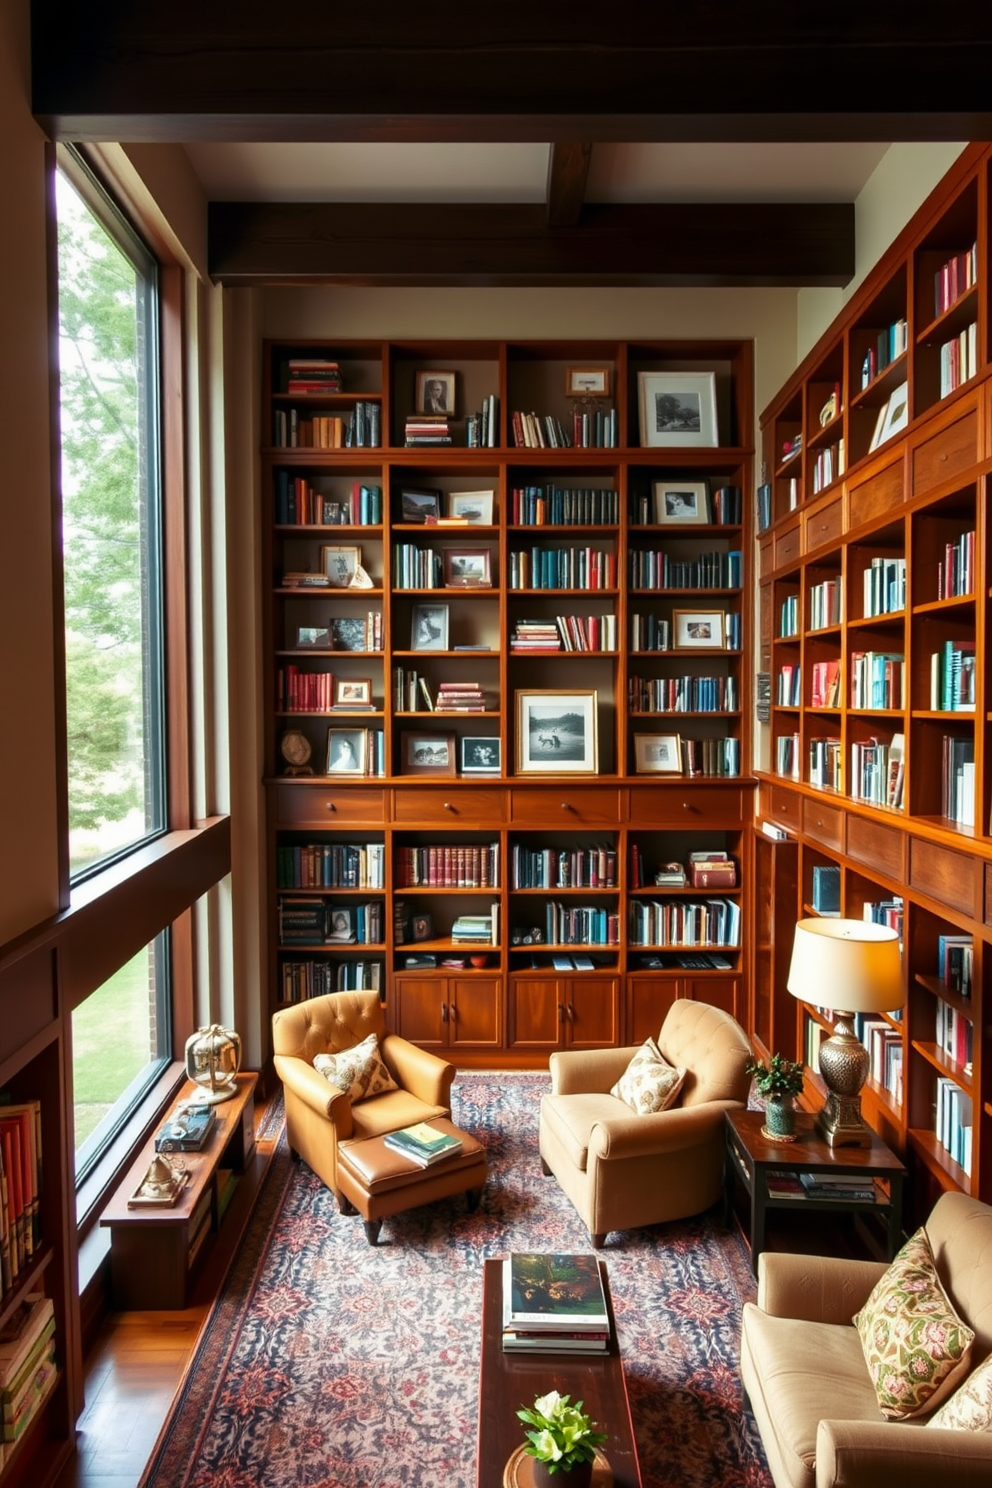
(557, 732)
(340, 564)
(481, 755)
(342, 924)
(436, 393)
(587, 382)
(681, 503)
(352, 692)
(698, 630)
(346, 751)
(892, 416)
(313, 637)
(348, 633)
(428, 754)
(678, 408)
(657, 754)
(472, 506)
(421, 927)
(467, 568)
(429, 627)
(417, 506)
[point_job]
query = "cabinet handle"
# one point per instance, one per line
(567, 806)
(571, 1013)
(561, 1013)
(330, 806)
(452, 1011)
(688, 806)
(449, 807)
(444, 1012)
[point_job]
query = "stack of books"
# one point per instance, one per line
(554, 1304)
(481, 928)
(535, 635)
(423, 1144)
(460, 697)
(308, 375)
(27, 1366)
(427, 429)
(822, 1186)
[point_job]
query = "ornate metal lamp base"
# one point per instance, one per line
(844, 1067)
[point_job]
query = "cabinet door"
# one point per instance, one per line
(422, 1010)
(536, 1012)
(592, 1011)
(722, 992)
(648, 1002)
(474, 1012)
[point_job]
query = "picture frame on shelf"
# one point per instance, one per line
(698, 630)
(677, 409)
(342, 925)
(893, 416)
(420, 505)
(313, 638)
(348, 633)
(421, 927)
(352, 692)
(657, 754)
(587, 382)
(467, 568)
(429, 627)
(557, 731)
(681, 503)
(474, 507)
(346, 751)
(340, 564)
(481, 754)
(427, 753)
(435, 393)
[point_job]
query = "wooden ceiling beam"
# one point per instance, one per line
(568, 168)
(374, 243)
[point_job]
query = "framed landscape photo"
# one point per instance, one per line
(428, 754)
(467, 568)
(346, 751)
(472, 506)
(352, 692)
(481, 754)
(698, 630)
(313, 638)
(340, 564)
(429, 627)
(657, 754)
(417, 506)
(587, 382)
(557, 732)
(681, 503)
(678, 409)
(436, 393)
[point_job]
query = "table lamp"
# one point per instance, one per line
(848, 966)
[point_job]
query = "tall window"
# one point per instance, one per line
(108, 355)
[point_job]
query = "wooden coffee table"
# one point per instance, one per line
(508, 1381)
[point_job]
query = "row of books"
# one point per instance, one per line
(958, 779)
(878, 679)
(789, 690)
(466, 866)
(878, 771)
(580, 924)
(684, 922)
(660, 570)
(550, 505)
(884, 585)
(829, 465)
(554, 1304)
(720, 757)
(28, 1370)
(824, 604)
(20, 1188)
(955, 960)
(958, 359)
(825, 763)
(301, 980)
(563, 868)
(953, 1122)
(952, 678)
(331, 865)
(801, 1186)
(300, 691)
(482, 428)
(311, 921)
(954, 1033)
(956, 570)
(562, 568)
(320, 502)
(687, 694)
(362, 429)
(598, 429)
(890, 343)
(954, 278)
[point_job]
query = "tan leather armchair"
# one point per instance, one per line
(318, 1117)
(621, 1170)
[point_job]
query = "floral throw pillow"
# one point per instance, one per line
(915, 1345)
(970, 1407)
(649, 1083)
(359, 1071)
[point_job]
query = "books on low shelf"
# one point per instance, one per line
(27, 1364)
(554, 1303)
(823, 1186)
(423, 1144)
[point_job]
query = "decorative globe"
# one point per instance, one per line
(213, 1058)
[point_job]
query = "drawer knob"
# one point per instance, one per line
(331, 806)
(449, 807)
(567, 806)
(688, 806)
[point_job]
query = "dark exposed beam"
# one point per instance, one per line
(724, 69)
(704, 244)
(568, 167)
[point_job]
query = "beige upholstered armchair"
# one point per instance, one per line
(622, 1170)
(318, 1116)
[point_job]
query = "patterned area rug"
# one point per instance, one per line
(329, 1364)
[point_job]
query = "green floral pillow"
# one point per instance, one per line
(359, 1071)
(970, 1407)
(649, 1083)
(916, 1347)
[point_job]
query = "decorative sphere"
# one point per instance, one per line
(213, 1058)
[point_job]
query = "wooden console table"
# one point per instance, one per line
(155, 1253)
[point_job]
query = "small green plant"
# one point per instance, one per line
(562, 1436)
(778, 1078)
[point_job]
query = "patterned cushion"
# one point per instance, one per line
(649, 1083)
(359, 1071)
(915, 1345)
(970, 1407)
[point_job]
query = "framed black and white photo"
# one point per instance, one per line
(698, 630)
(436, 393)
(467, 568)
(587, 382)
(346, 751)
(340, 564)
(557, 732)
(418, 506)
(657, 754)
(429, 627)
(341, 924)
(681, 503)
(428, 754)
(475, 507)
(678, 409)
(481, 754)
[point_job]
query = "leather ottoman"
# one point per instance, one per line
(379, 1182)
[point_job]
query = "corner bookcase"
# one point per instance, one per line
(875, 574)
(490, 866)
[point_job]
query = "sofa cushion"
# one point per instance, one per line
(915, 1345)
(570, 1119)
(358, 1071)
(970, 1407)
(649, 1083)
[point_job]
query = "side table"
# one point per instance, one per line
(749, 1157)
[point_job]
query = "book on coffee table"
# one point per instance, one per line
(554, 1303)
(423, 1143)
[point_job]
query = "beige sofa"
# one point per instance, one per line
(804, 1370)
(622, 1170)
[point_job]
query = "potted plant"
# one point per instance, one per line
(562, 1439)
(778, 1081)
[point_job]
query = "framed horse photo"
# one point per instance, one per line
(556, 732)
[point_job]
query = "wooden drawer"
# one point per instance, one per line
(685, 805)
(881, 492)
(434, 804)
(940, 457)
(566, 805)
(787, 546)
(824, 823)
(783, 806)
(876, 844)
(329, 805)
(944, 874)
(825, 525)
